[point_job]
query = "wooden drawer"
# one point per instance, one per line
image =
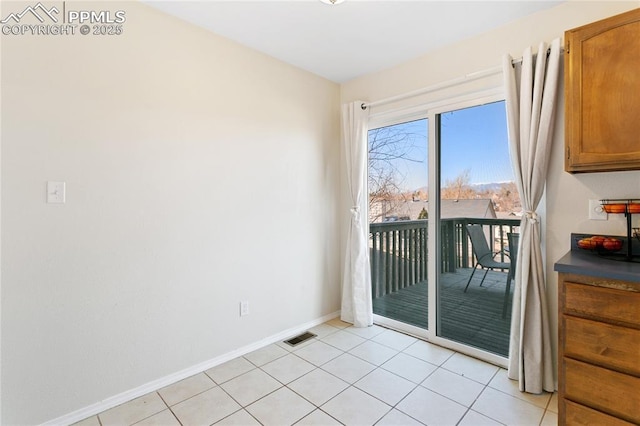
(579, 415)
(604, 390)
(603, 303)
(604, 344)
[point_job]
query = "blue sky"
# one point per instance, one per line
(476, 138)
(472, 138)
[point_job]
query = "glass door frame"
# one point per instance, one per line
(389, 119)
(431, 111)
(434, 228)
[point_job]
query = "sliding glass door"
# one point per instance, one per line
(398, 206)
(479, 210)
(444, 213)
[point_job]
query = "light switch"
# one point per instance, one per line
(596, 212)
(56, 192)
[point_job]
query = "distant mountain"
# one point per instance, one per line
(480, 187)
(490, 186)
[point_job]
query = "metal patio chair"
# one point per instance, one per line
(485, 258)
(514, 240)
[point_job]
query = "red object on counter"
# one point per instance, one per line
(633, 208)
(615, 208)
(612, 244)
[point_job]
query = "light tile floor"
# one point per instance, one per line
(344, 376)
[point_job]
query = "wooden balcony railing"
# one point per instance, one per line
(398, 255)
(398, 250)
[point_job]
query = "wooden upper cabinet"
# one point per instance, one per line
(602, 95)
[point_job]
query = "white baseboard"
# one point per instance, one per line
(153, 386)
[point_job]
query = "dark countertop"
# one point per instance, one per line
(590, 263)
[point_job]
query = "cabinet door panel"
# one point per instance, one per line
(602, 118)
(610, 124)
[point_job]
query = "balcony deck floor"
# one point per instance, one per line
(473, 318)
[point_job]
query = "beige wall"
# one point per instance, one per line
(567, 195)
(199, 173)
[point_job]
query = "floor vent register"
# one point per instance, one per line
(300, 338)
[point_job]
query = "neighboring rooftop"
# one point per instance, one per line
(478, 208)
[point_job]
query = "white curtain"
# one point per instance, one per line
(531, 104)
(356, 285)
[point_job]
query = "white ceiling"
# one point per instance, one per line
(357, 37)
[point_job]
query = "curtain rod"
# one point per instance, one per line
(468, 77)
(445, 84)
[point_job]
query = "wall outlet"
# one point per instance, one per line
(596, 212)
(244, 308)
(56, 192)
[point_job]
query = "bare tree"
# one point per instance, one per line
(459, 188)
(507, 198)
(388, 148)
